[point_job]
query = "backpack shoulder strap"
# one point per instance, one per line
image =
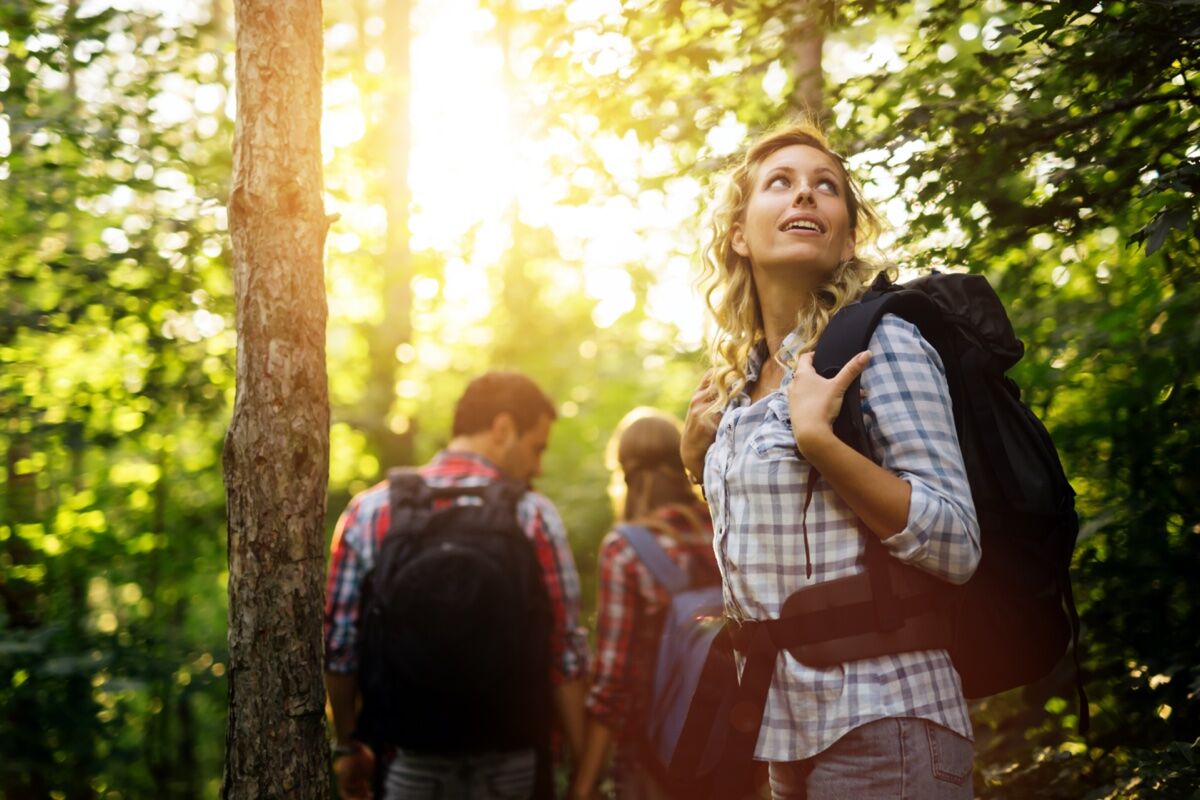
(408, 498)
(506, 493)
(849, 332)
(411, 499)
(665, 571)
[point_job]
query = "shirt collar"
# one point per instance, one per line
(464, 461)
(758, 356)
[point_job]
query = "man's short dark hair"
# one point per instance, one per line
(495, 393)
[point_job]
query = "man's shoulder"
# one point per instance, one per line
(536, 505)
(369, 500)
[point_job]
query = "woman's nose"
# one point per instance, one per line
(804, 193)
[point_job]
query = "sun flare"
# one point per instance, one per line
(478, 165)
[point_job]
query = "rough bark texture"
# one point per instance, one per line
(277, 448)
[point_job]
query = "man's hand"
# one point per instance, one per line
(700, 427)
(814, 402)
(354, 772)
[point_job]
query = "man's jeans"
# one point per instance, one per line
(499, 776)
(899, 758)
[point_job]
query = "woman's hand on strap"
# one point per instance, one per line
(814, 402)
(700, 428)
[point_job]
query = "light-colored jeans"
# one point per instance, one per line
(494, 776)
(899, 758)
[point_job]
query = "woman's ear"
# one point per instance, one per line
(848, 247)
(737, 240)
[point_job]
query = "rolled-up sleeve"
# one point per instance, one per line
(611, 691)
(910, 426)
(347, 567)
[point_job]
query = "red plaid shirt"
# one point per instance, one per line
(630, 614)
(365, 522)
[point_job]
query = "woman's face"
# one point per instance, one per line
(796, 217)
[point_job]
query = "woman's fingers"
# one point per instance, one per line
(854, 367)
(841, 382)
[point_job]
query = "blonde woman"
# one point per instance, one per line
(653, 492)
(793, 505)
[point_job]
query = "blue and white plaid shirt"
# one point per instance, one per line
(756, 480)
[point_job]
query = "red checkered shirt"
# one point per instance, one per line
(365, 522)
(630, 614)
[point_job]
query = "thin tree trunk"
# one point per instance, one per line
(808, 42)
(277, 449)
(22, 605)
(79, 696)
(395, 446)
(517, 291)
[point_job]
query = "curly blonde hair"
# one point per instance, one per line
(727, 281)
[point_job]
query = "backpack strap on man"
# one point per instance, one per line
(410, 499)
(505, 493)
(665, 572)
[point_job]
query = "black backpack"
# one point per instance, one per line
(454, 632)
(1015, 618)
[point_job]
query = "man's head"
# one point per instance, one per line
(505, 417)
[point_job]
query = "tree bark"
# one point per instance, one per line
(808, 43)
(277, 449)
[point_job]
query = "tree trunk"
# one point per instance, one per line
(277, 449)
(808, 42)
(394, 445)
(22, 605)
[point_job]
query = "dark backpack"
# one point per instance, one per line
(695, 679)
(454, 631)
(1015, 618)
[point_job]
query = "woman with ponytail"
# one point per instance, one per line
(794, 506)
(650, 490)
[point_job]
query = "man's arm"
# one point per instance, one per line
(568, 640)
(589, 764)
(342, 688)
(568, 702)
(353, 762)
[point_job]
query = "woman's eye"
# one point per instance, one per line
(778, 180)
(828, 185)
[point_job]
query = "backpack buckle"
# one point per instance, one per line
(741, 632)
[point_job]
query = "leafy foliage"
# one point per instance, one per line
(114, 387)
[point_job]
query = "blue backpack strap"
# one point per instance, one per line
(665, 571)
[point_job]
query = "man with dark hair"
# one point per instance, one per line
(501, 427)
(501, 392)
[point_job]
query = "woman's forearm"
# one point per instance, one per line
(876, 495)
